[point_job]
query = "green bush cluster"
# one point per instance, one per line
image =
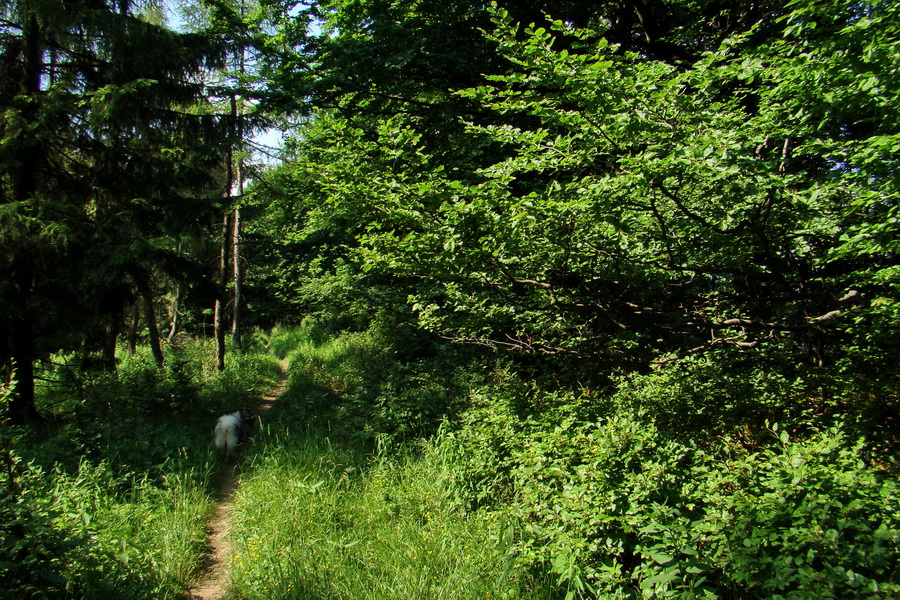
(658, 490)
(382, 381)
(35, 553)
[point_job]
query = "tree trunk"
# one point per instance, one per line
(24, 189)
(219, 312)
(230, 248)
(237, 113)
(110, 337)
(21, 406)
(153, 330)
(236, 261)
(175, 315)
(133, 334)
(175, 308)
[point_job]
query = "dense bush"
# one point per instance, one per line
(618, 499)
(677, 483)
(806, 519)
(382, 381)
(36, 554)
(677, 246)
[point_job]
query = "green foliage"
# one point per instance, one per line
(99, 412)
(314, 520)
(94, 535)
(617, 504)
(106, 166)
(382, 382)
(686, 230)
(738, 394)
(671, 484)
(110, 498)
(35, 553)
(808, 519)
(634, 207)
(682, 218)
(303, 246)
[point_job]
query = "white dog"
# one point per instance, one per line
(231, 430)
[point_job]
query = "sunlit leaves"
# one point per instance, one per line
(627, 200)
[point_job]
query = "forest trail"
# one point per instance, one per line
(213, 584)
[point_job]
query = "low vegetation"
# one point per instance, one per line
(671, 484)
(109, 497)
(663, 485)
(313, 520)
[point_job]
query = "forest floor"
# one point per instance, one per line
(213, 583)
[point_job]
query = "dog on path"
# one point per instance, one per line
(233, 429)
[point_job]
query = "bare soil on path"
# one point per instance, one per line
(213, 584)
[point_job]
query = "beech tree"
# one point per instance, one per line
(656, 186)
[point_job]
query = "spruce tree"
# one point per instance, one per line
(104, 161)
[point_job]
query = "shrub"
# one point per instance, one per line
(807, 519)
(617, 507)
(377, 382)
(37, 554)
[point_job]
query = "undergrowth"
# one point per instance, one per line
(109, 497)
(384, 381)
(316, 520)
(394, 467)
(685, 482)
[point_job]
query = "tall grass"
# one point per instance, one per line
(323, 513)
(315, 521)
(110, 497)
(124, 537)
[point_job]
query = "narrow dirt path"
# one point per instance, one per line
(214, 582)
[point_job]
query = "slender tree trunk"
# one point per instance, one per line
(219, 312)
(234, 189)
(133, 334)
(175, 310)
(111, 335)
(238, 276)
(176, 322)
(237, 113)
(24, 189)
(236, 261)
(153, 330)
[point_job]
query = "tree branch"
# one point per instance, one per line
(730, 341)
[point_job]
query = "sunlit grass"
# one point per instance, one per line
(314, 521)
